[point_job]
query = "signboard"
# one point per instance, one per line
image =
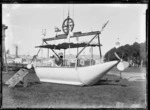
(16, 78)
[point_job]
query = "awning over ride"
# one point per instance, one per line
(66, 45)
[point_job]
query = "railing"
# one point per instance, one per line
(67, 63)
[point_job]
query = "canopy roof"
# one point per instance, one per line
(66, 45)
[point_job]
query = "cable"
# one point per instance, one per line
(63, 12)
(73, 11)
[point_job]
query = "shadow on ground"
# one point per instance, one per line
(117, 82)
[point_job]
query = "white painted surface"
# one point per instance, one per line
(81, 76)
(58, 75)
(18, 60)
(120, 66)
(91, 74)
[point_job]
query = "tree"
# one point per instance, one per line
(135, 52)
(143, 52)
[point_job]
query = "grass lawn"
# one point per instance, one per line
(108, 92)
(132, 69)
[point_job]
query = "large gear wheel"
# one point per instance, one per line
(67, 24)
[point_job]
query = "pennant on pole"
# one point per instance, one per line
(105, 25)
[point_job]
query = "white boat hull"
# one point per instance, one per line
(74, 76)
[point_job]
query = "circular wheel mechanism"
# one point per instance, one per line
(67, 25)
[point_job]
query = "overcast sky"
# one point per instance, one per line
(26, 21)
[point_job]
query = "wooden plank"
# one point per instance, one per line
(76, 34)
(25, 81)
(16, 78)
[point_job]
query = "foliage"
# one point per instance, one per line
(135, 52)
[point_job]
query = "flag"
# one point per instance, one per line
(105, 25)
(57, 29)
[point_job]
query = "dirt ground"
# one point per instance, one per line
(107, 93)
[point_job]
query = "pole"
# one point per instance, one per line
(37, 53)
(52, 50)
(41, 53)
(47, 53)
(55, 53)
(120, 75)
(99, 47)
(92, 55)
(77, 50)
(70, 55)
(77, 58)
(108, 56)
(64, 57)
(86, 45)
(16, 51)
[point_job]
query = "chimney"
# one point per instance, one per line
(16, 51)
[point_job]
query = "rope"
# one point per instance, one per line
(73, 11)
(69, 9)
(63, 12)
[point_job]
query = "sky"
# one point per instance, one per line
(127, 24)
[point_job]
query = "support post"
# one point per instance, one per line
(55, 53)
(99, 47)
(76, 63)
(36, 54)
(120, 74)
(86, 45)
(47, 53)
(77, 58)
(52, 50)
(64, 58)
(108, 56)
(92, 55)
